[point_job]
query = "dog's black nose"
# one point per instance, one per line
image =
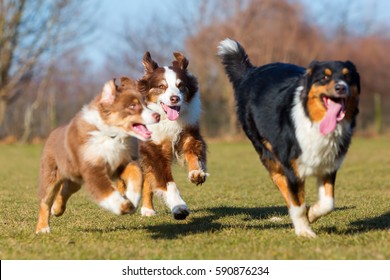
(340, 89)
(174, 99)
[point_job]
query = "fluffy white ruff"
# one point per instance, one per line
(107, 142)
(113, 203)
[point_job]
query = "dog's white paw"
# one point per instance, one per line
(147, 212)
(116, 204)
(305, 232)
(180, 212)
(43, 230)
(197, 177)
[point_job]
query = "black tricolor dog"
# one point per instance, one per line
(300, 122)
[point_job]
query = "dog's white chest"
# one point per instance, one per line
(165, 130)
(320, 154)
(112, 150)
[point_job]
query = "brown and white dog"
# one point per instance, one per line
(98, 146)
(173, 92)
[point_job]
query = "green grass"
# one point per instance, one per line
(231, 214)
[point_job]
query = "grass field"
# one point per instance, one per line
(233, 214)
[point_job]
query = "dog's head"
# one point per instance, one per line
(168, 90)
(123, 107)
(332, 93)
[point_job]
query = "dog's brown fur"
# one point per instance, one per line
(96, 148)
(173, 92)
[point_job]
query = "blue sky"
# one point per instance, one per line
(113, 14)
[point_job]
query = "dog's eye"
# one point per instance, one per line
(132, 106)
(325, 78)
(162, 87)
(181, 86)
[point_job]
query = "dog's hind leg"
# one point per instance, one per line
(294, 195)
(147, 209)
(104, 192)
(132, 176)
(49, 186)
(325, 203)
(67, 189)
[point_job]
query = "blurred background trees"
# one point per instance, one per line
(45, 76)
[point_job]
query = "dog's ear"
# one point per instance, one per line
(181, 61)
(354, 74)
(308, 77)
(149, 64)
(109, 92)
(127, 83)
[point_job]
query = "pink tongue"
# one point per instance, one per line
(142, 130)
(172, 114)
(329, 123)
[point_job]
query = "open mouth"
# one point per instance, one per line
(172, 112)
(141, 130)
(335, 113)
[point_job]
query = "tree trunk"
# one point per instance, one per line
(3, 109)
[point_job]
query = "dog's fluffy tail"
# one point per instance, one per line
(234, 59)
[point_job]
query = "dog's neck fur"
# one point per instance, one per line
(107, 143)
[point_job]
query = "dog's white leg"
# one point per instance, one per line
(133, 194)
(175, 202)
(300, 221)
(116, 204)
(325, 203)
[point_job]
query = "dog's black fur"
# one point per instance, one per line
(267, 109)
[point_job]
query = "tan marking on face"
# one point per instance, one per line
(345, 71)
(328, 72)
(315, 105)
(153, 95)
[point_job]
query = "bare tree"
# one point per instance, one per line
(29, 30)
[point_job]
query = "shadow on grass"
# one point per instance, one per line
(108, 229)
(381, 222)
(210, 223)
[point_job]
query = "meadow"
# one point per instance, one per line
(236, 214)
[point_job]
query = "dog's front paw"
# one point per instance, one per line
(147, 212)
(42, 230)
(180, 212)
(116, 204)
(127, 207)
(197, 177)
(58, 209)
